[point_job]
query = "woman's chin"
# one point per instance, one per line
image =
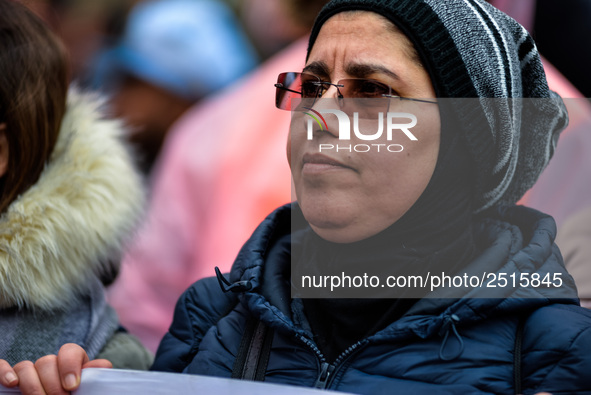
(329, 223)
(341, 223)
(339, 231)
(335, 235)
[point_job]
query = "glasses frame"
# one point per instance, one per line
(323, 86)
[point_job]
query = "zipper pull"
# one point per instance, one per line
(326, 370)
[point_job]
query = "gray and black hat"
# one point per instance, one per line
(472, 50)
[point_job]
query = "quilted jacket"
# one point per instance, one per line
(470, 345)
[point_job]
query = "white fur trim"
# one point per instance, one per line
(60, 233)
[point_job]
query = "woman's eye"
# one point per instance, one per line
(371, 89)
(309, 89)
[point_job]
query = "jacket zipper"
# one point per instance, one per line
(327, 370)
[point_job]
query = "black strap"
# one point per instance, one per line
(517, 356)
(253, 354)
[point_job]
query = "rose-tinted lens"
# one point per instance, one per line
(288, 86)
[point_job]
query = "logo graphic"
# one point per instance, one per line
(345, 124)
(318, 115)
(387, 124)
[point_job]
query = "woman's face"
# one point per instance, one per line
(349, 196)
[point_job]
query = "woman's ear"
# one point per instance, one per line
(3, 150)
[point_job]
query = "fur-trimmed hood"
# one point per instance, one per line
(64, 230)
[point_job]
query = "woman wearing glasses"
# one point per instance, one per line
(365, 221)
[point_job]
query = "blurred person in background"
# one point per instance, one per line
(172, 54)
(574, 240)
(561, 29)
(203, 206)
(274, 25)
(86, 27)
(69, 198)
(563, 33)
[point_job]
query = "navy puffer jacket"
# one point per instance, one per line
(441, 346)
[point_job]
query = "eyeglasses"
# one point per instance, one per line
(294, 85)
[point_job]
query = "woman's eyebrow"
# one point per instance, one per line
(356, 70)
(318, 68)
(365, 70)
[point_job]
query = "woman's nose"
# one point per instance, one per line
(329, 96)
(329, 89)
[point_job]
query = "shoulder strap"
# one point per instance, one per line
(253, 354)
(517, 356)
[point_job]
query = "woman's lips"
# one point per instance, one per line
(313, 163)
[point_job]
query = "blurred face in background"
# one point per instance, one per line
(273, 25)
(150, 111)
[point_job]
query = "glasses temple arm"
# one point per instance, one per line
(281, 86)
(409, 98)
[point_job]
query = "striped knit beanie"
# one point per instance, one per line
(472, 50)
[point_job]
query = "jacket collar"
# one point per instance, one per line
(69, 227)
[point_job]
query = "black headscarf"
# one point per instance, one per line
(434, 235)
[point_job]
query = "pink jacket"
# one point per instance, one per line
(223, 169)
